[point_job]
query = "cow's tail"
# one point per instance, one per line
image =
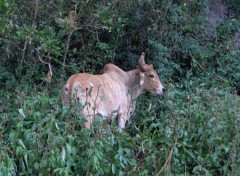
(70, 90)
(65, 97)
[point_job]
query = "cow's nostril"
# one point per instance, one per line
(164, 90)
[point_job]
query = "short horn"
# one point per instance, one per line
(141, 63)
(142, 59)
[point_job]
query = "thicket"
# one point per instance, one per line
(192, 130)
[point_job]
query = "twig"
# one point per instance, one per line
(70, 36)
(9, 41)
(67, 46)
(37, 2)
(49, 57)
(24, 49)
(68, 66)
(173, 147)
(37, 49)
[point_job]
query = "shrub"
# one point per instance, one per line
(192, 130)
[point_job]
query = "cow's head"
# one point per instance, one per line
(149, 79)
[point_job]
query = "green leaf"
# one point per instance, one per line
(20, 142)
(112, 140)
(36, 165)
(21, 113)
(19, 151)
(95, 159)
(113, 169)
(26, 160)
(56, 125)
(63, 154)
(69, 148)
(197, 169)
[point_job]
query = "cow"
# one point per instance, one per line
(113, 91)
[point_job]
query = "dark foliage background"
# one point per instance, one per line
(192, 130)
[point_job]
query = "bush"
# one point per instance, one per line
(192, 130)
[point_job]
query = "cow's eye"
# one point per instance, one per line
(151, 76)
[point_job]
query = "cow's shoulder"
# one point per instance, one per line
(112, 68)
(115, 72)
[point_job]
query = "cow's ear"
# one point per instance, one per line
(142, 75)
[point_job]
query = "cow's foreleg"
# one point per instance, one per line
(88, 123)
(122, 119)
(88, 118)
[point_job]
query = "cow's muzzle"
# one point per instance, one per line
(160, 91)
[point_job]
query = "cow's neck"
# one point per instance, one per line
(134, 83)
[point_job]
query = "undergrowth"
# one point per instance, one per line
(193, 129)
(195, 132)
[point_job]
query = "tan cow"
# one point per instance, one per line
(113, 91)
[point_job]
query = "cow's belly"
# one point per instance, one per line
(106, 99)
(107, 106)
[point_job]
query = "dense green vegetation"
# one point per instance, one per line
(194, 129)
